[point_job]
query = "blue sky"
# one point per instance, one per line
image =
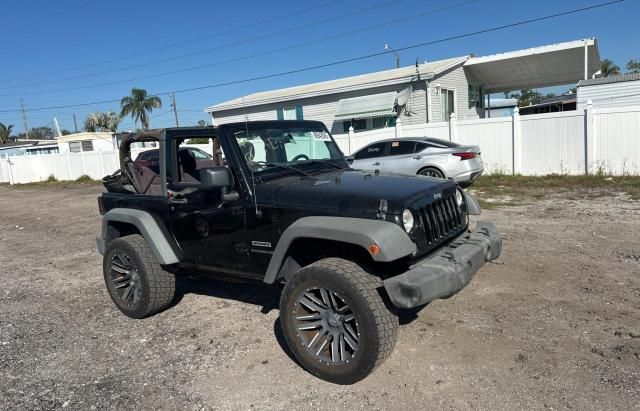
(51, 47)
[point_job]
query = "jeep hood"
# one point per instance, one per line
(349, 190)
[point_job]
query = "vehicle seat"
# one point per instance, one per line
(145, 180)
(188, 167)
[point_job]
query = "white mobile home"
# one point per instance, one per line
(612, 91)
(87, 141)
(428, 92)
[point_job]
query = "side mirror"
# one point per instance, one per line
(216, 177)
(219, 178)
(349, 160)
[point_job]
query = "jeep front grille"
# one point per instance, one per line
(441, 219)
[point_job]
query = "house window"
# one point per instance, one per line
(357, 124)
(80, 146)
(382, 122)
(87, 145)
(447, 103)
(476, 96)
(290, 113)
(75, 146)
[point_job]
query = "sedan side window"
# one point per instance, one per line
(399, 148)
(421, 147)
(372, 151)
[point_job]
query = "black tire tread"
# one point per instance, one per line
(368, 286)
(162, 284)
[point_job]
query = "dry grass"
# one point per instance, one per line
(505, 190)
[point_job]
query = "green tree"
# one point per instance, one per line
(609, 68)
(202, 123)
(527, 97)
(572, 90)
(5, 132)
(139, 105)
(41, 133)
(633, 66)
(102, 121)
(550, 95)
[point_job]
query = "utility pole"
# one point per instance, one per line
(388, 47)
(24, 119)
(75, 124)
(173, 107)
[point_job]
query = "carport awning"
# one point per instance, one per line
(553, 65)
(375, 105)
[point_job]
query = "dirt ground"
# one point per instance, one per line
(554, 323)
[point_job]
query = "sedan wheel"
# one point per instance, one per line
(431, 172)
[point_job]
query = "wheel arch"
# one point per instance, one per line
(434, 167)
(355, 234)
(119, 222)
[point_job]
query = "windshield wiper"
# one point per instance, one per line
(322, 162)
(278, 165)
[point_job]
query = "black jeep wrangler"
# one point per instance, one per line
(283, 206)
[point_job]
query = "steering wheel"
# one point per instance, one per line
(300, 157)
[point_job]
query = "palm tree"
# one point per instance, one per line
(102, 121)
(139, 105)
(609, 68)
(5, 132)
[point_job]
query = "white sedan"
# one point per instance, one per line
(421, 155)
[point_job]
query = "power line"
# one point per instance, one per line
(181, 43)
(236, 59)
(349, 60)
(39, 22)
(208, 50)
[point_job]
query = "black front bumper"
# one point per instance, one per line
(448, 270)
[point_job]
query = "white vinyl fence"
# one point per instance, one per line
(66, 166)
(573, 142)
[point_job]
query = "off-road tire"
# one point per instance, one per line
(431, 172)
(361, 291)
(156, 287)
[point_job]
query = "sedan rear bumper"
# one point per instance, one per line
(446, 272)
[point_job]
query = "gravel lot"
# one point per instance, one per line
(554, 323)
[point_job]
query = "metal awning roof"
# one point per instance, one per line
(545, 66)
(375, 105)
(395, 76)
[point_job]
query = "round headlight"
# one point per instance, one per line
(459, 197)
(407, 220)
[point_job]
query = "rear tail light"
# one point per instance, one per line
(466, 155)
(100, 206)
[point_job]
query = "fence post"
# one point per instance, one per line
(453, 127)
(84, 168)
(69, 165)
(349, 137)
(102, 173)
(398, 128)
(516, 142)
(588, 135)
(9, 164)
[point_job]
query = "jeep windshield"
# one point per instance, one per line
(300, 149)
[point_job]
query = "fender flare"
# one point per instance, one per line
(154, 232)
(393, 241)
